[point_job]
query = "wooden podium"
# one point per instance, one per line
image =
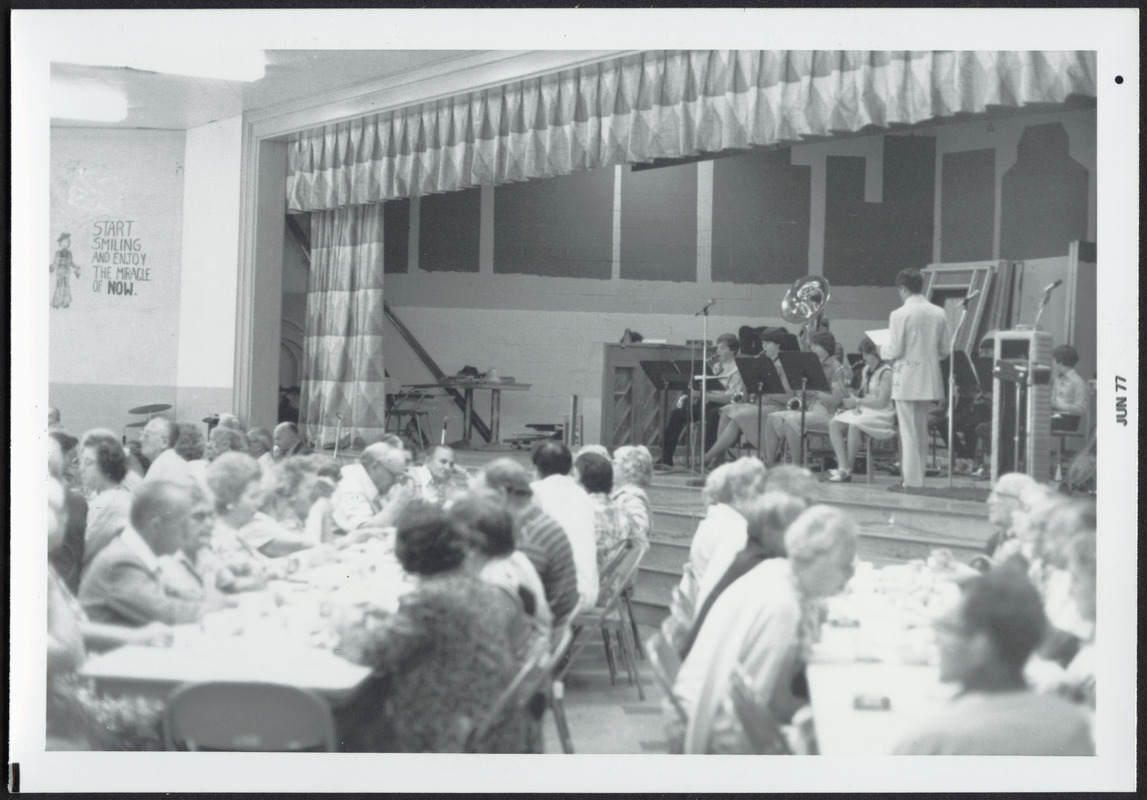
(631, 406)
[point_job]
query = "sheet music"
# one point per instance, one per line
(880, 337)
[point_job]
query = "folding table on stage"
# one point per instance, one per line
(761, 377)
(803, 369)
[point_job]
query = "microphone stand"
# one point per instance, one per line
(704, 314)
(952, 391)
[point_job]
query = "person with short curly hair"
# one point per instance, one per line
(763, 625)
(236, 482)
(632, 474)
(727, 489)
(225, 440)
(438, 660)
(103, 469)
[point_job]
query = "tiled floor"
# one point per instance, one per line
(609, 719)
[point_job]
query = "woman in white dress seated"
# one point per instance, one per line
(869, 411)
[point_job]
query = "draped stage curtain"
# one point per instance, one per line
(633, 109)
(661, 104)
(342, 343)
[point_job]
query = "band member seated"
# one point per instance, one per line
(729, 384)
(741, 418)
(786, 425)
(1069, 392)
(867, 411)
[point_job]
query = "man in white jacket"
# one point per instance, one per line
(918, 340)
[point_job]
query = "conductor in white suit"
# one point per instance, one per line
(918, 339)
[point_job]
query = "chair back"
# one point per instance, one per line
(529, 680)
(247, 717)
(666, 664)
(762, 730)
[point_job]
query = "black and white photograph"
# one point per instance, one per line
(612, 385)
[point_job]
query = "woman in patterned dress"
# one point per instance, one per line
(439, 661)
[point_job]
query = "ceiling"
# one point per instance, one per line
(158, 100)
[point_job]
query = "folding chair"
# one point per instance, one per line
(528, 681)
(555, 694)
(610, 615)
(247, 717)
(665, 663)
(761, 728)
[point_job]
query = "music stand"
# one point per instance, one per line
(803, 368)
(965, 377)
(665, 375)
(688, 370)
(760, 375)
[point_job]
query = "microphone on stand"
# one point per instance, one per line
(705, 308)
(968, 298)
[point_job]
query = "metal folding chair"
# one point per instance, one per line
(611, 616)
(247, 717)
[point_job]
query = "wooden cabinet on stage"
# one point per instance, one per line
(631, 406)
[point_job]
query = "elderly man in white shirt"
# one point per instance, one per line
(157, 442)
(373, 493)
(560, 497)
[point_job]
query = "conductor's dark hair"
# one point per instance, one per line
(552, 457)
(1004, 605)
(595, 472)
(911, 279)
(427, 542)
(731, 341)
(1065, 354)
(485, 522)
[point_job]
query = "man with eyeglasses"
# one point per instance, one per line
(373, 493)
(984, 643)
(1004, 501)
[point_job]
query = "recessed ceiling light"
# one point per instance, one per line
(239, 65)
(92, 102)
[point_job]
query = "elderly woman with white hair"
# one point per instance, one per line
(632, 474)
(727, 489)
(761, 627)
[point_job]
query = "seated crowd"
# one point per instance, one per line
(143, 542)
(503, 558)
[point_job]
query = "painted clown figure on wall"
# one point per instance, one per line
(62, 265)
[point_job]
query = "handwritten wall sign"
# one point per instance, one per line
(119, 260)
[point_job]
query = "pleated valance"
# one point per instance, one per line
(659, 104)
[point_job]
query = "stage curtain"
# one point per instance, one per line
(342, 342)
(659, 104)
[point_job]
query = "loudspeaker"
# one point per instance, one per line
(1021, 404)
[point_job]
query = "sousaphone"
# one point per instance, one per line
(802, 305)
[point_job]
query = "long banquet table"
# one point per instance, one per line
(285, 633)
(874, 673)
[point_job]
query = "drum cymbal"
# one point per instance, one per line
(153, 408)
(139, 424)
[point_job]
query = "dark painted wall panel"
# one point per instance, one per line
(449, 229)
(761, 206)
(866, 244)
(659, 224)
(395, 235)
(967, 205)
(1044, 196)
(556, 227)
